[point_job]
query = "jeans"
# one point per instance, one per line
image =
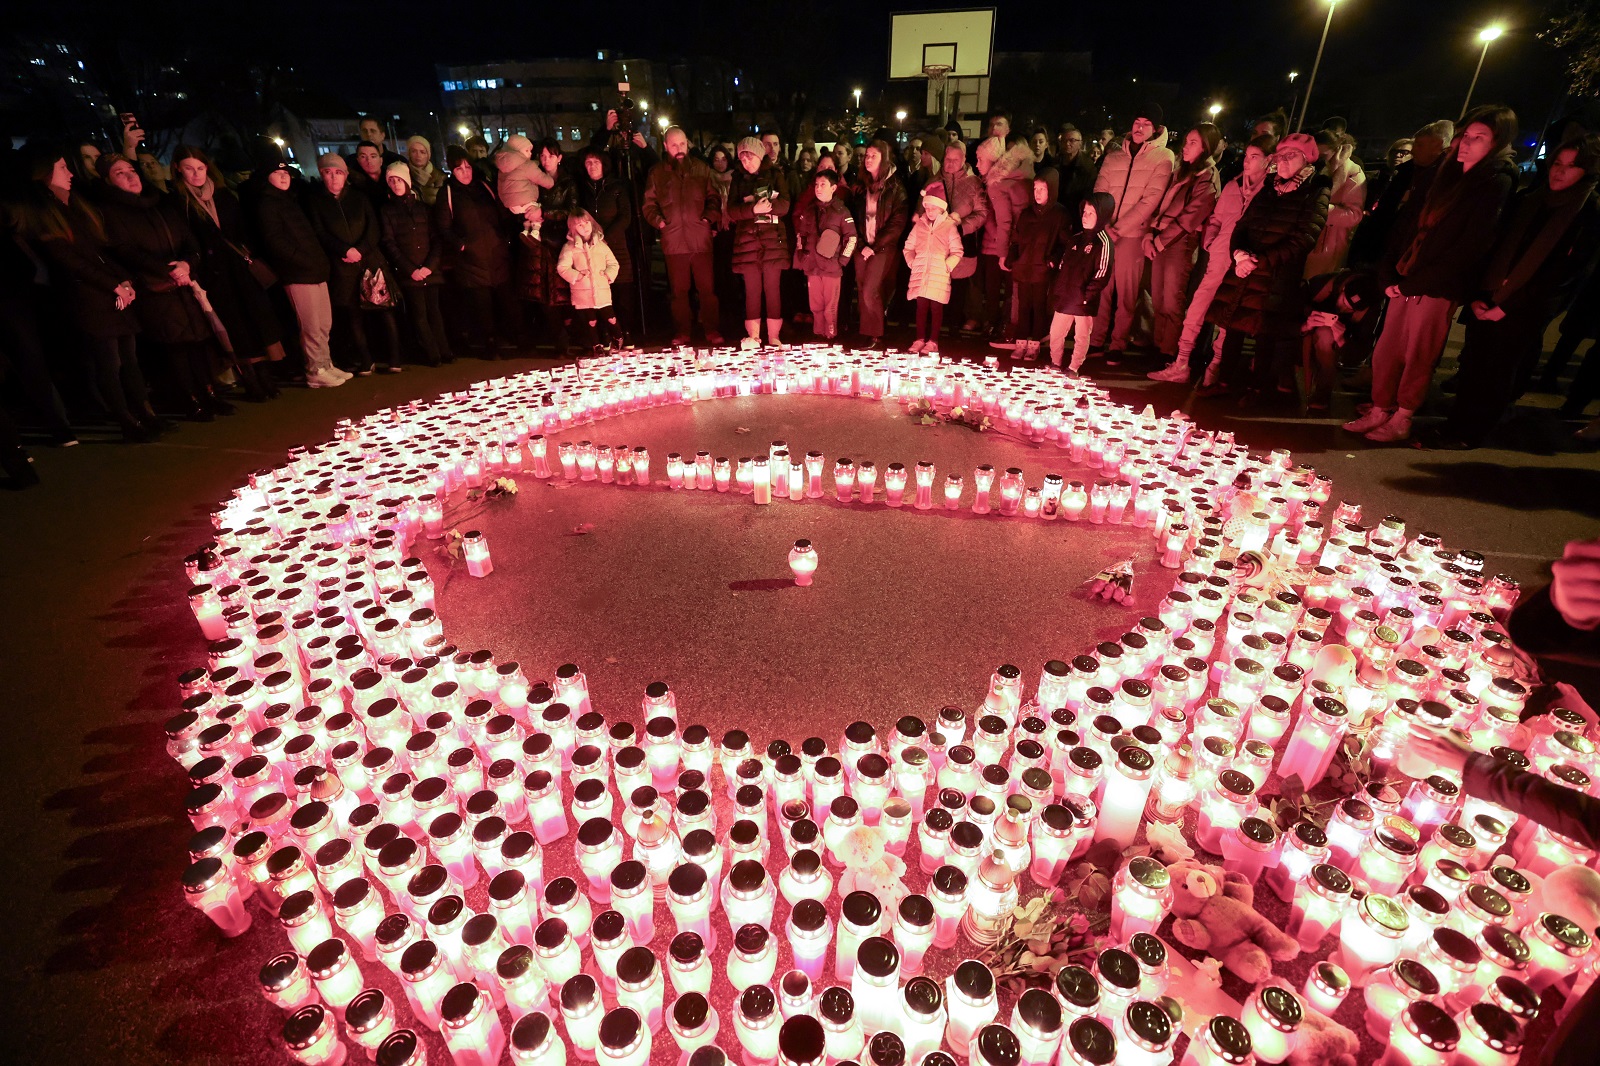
(694, 270)
(824, 292)
(1408, 350)
(422, 307)
(116, 379)
(762, 281)
(315, 314)
(1194, 319)
(875, 278)
(353, 322)
(1169, 280)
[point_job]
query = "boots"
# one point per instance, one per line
(774, 325)
(752, 338)
(1178, 371)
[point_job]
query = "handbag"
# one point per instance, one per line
(259, 270)
(376, 292)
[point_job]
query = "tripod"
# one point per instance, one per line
(621, 140)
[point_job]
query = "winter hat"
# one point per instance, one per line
(752, 145)
(521, 145)
(419, 139)
(455, 155)
(934, 194)
(398, 170)
(1152, 111)
(107, 160)
(1303, 143)
(333, 161)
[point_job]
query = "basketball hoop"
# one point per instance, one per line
(937, 74)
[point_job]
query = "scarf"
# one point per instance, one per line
(1532, 233)
(1449, 184)
(1284, 185)
(206, 197)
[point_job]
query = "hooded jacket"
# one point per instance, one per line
(1039, 236)
(681, 199)
(589, 268)
(149, 233)
(1086, 263)
(1454, 230)
(288, 242)
(521, 179)
(1135, 182)
(341, 223)
(1279, 228)
(759, 240)
(930, 247)
(1186, 206)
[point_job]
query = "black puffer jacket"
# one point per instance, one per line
(1279, 229)
(475, 229)
(1444, 255)
(408, 239)
(759, 240)
(892, 214)
(341, 223)
(288, 243)
(149, 234)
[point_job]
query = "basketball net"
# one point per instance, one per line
(938, 74)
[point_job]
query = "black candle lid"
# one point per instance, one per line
(809, 915)
(805, 862)
(859, 733)
(1489, 901)
(588, 791)
(560, 892)
(686, 947)
(939, 819)
(1230, 1036)
(1453, 944)
(690, 1011)
(608, 927)
(1085, 759)
(692, 803)
(1040, 1010)
(747, 796)
(917, 910)
(756, 1002)
(950, 880)
(1092, 1041)
(827, 766)
(998, 1046)
(1310, 835)
(745, 833)
(1148, 949)
(877, 956)
(1282, 1008)
(751, 939)
(1510, 879)
(708, 1055)
(1149, 1024)
(747, 875)
(550, 934)
(620, 1028)
(952, 799)
(1505, 943)
(1416, 975)
(837, 1005)
(843, 808)
(686, 879)
(1432, 1026)
(861, 908)
(974, 980)
(801, 1039)
(886, 1049)
(1331, 878)
(428, 880)
(1077, 986)
(966, 835)
(699, 842)
(1495, 1026)
(1118, 968)
(594, 832)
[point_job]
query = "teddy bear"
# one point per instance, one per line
(1213, 911)
(870, 867)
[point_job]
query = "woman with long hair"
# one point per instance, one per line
(720, 160)
(1174, 235)
(228, 272)
(97, 290)
(882, 215)
(148, 234)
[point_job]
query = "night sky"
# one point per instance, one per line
(1390, 64)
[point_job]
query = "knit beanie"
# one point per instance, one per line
(398, 170)
(332, 161)
(419, 139)
(455, 155)
(752, 145)
(1152, 111)
(521, 145)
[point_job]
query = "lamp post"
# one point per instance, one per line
(1214, 110)
(1294, 97)
(857, 94)
(1305, 105)
(1488, 35)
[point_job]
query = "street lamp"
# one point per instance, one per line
(464, 131)
(1214, 110)
(1488, 35)
(857, 93)
(664, 121)
(1305, 105)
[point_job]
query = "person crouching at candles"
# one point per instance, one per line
(1085, 270)
(589, 266)
(933, 252)
(1572, 814)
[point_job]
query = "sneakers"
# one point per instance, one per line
(1375, 417)
(1177, 372)
(749, 344)
(1003, 344)
(1396, 428)
(932, 348)
(917, 346)
(326, 378)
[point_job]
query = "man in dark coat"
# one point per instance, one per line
(1076, 172)
(1436, 267)
(681, 201)
(1549, 234)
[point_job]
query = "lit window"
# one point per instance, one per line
(559, 132)
(80, 64)
(593, 106)
(600, 55)
(38, 62)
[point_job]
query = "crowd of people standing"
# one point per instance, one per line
(1254, 268)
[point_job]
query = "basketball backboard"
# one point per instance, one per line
(961, 40)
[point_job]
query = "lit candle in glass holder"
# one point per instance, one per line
(1315, 738)
(866, 479)
(813, 476)
(1422, 1035)
(761, 480)
(311, 1036)
(982, 484)
(1319, 900)
(756, 1020)
(844, 480)
(1141, 896)
(1556, 948)
(1370, 936)
(1010, 490)
(1127, 791)
(471, 1027)
(1250, 847)
(209, 885)
(925, 475)
(640, 985)
(1326, 987)
(844, 1038)
(803, 561)
(676, 471)
(285, 982)
(748, 894)
(971, 1003)
(1272, 1017)
(582, 1008)
(1304, 846)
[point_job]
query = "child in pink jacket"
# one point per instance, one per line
(933, 251)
